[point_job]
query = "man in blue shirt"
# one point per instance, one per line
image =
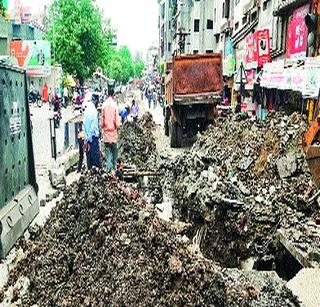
(91, 134)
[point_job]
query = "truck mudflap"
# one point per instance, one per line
(16, 216)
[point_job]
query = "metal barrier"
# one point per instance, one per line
(71, 134)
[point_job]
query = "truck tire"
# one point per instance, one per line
(175, 135)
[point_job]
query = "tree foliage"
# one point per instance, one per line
(82, 41)
(79, 36)
(122, 67)
(2, 9)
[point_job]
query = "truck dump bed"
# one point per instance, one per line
(197, 75)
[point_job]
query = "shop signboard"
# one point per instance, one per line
(252, 52)
(263, 41)
(34, 56)
(273, 75)
(297, 34)
(311, 77)
(230, 61)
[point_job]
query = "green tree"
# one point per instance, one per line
(79, 36)
(138, 68)
(2, 9)
(121, 66)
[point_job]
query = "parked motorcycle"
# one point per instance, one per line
(57, 118)
(35, 98)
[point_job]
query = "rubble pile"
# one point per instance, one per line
(137, 144)
(243, 180)
(146, 121)
(104, 246)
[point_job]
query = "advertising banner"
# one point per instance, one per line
(34, 56)
(263, 41)
(230, 61)
(297, 34)
(252, 52)
(311, 77)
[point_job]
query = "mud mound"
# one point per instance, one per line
(137, 144)
(146, 121)
(243, 180)
(103, 247)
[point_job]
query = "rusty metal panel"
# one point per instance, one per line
(197, 74)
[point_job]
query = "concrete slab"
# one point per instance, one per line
(306, 286)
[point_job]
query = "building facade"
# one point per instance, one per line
(265, 39)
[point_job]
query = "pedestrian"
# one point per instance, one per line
(81, 145)
(65, 96)
(238, 106)
(110, 123)
(124, 113)
(149, 97)
(134, 110)
(91, 133)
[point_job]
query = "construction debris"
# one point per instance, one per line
(103, 245)
(243, 180)
(137, 145)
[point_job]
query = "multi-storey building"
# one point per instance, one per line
(249, 34)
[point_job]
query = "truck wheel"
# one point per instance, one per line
(175, 135)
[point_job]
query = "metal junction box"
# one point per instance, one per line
(18, 188)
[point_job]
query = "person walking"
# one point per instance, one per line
(65, 96)
(81, 145)
(91, 134)
(134, 110)
(110, 123)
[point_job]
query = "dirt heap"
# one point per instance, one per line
(103, 246)
(137, 144)
(243, 180)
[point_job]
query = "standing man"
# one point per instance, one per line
(65, 96)
(110, 123)
(91, 133)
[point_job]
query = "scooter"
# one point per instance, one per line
(57, 118)
(35, 98)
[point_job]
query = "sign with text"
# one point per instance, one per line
(297, 34)
(263, 41)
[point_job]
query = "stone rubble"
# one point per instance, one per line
(103, 245)
(243, 180)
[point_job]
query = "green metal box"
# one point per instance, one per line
(18, 188)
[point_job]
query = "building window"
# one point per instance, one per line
(223, 8)
(169, 47)
(254, 16)
(227, 9)
(195, 51)
(209, 24)
(236, 26)
(169, 24)
(217, 36)
(196, 25)
(215, 15)
(266, 4)
(244, 20)
(209, 51)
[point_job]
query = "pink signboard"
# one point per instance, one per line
(297, 34)
(263, 41)
(252, 52)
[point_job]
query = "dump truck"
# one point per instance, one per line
(193, 88)
(18, 187)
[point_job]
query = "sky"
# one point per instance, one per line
(136, 21)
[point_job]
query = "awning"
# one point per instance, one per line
(286, 5)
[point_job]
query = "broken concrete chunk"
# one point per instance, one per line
(287, 165)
